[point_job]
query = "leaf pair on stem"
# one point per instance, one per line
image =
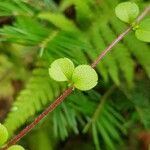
(83, 77)
(128, 12)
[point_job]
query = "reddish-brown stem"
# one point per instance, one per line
(109, 48)
(70, 89)
(39, 118)
(119, 38)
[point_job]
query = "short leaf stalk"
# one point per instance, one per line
(68, 91)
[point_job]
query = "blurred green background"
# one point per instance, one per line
(115, 115)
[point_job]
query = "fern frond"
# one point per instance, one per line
(94, 42)
(39, 92)
(106, 122)
(24, 31)
(66, 39)
(15, 7)
(109, 61)
(139, 97)
(121, 54)
(64, 118)
(108, 127)
(59, 21)
(133, 47)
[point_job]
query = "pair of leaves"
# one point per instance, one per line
(4, 137)
(128, 12)
(83, 77)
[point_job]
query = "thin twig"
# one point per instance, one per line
(39, 118)
(119, 38)
(69, 90)
(145, 12)
(109, 48)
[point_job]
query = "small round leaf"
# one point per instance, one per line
(16, 147)
(127, 11)
(3, 134)
(84, 77)
(61, 69)
(143, 31)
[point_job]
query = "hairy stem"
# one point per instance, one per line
(69, 90)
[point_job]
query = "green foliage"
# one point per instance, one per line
(38, 138)
(44, 89)
(139, 98)
(3, 134)
(134, 48)
(16, 7)
(51, 34)
(127, 11)
(24, 31)
(83, 77)
(126, 64)
(143, 31)
(64, 121)
(59, 21)
(6, 66)
(108, 125)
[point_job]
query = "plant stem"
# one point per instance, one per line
(68, 91)
(145, 12)
(119, 38)
(39, 118)
(109, 48)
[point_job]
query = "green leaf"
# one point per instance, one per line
(3, 134)
(143, 31)
(127, 11)
(61, 69)
(16, 147)
(84, 77)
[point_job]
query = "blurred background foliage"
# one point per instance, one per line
(113, 116)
